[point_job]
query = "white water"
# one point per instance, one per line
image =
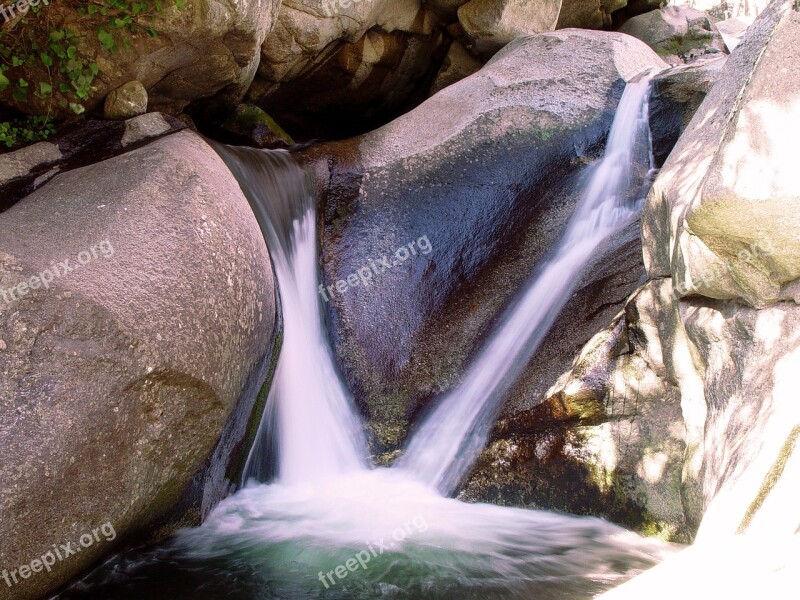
(451, 437)
(326, 508)
(309, 408)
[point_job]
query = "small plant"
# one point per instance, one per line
(25, 131)
(45, 66)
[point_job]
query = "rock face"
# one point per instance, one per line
(677, 32)
(136, 315)
(721, 223)
(488, 147)
(346, 66)
(711, 220)
(491, 24)
(207, 49)
(714, 332)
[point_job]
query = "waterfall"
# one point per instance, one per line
(330, 529)
(317, 430)
(450, 439)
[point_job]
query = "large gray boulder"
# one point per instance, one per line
(502, 152)
(724, 374)
(136, 317)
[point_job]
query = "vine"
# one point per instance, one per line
(51, 58)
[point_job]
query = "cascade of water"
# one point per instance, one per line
(330, 529)
(451, 437)
(317, 430)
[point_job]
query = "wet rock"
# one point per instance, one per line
(677, 94)
(488, 170)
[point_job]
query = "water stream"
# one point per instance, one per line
(327, 525)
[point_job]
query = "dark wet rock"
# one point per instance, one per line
(487, 170)
(677, 94)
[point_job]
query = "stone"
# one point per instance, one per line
(344, 74)
(677, 94)
(126, 382)
(20, 163)
(676, 31)
(446, 9)
(710, 221)
(127, 101)
(144, 127)
(458, 64)
(591, 14)
(732, 31)
(491, 24)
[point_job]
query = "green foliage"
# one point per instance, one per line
(64, 74)
(26, 131)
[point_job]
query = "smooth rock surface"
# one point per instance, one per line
(118, 378)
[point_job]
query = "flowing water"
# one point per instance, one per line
(329, 526)
(452, 436)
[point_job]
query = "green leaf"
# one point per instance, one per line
(45, 88)
(106, 39)
(23, 83)
(78, 109)
(47, 60)
(16, 61)
(4, 82)
(57, 36)
(72, 51)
